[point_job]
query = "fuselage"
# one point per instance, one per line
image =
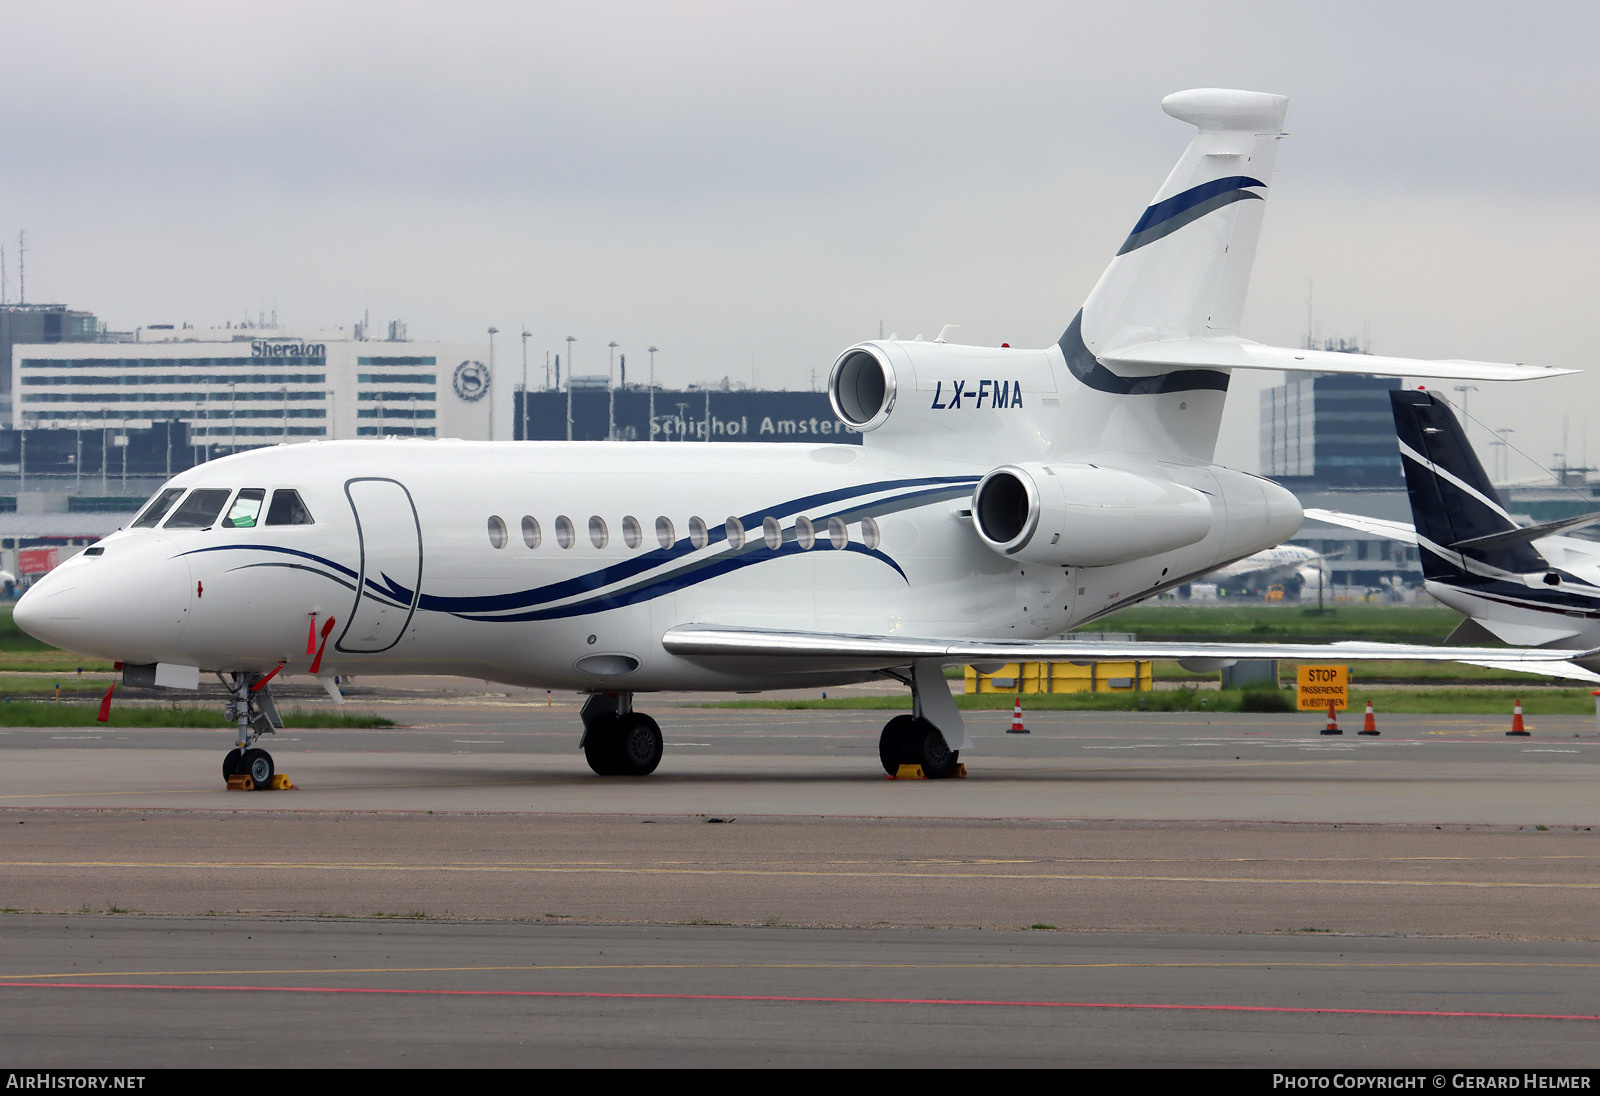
(561, 564)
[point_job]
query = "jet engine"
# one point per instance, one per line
(1083, 515)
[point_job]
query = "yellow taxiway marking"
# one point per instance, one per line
(611, 869)
(1261, 965)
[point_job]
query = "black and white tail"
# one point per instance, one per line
(1463, 529)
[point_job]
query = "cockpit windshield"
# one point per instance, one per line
(200, 509)
(157, 509)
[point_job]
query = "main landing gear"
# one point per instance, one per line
(618, 741)
(933, 735)
(256, 714)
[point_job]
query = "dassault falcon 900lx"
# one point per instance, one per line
(999, 496)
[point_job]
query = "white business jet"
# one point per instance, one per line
(999, 496)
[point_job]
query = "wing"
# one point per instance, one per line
(814, 651)
(1236, 353)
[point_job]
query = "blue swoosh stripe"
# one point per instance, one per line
(678, 580)
(1171, 214)
(1087, 368)
(481, 607)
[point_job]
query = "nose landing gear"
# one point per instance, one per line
(251, 706)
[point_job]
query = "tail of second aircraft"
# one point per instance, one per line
(1463, 530)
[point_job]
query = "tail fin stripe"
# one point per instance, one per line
(1454, 480)
(1171, 214)
(1087, 368)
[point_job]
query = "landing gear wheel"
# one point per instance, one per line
(932, 752)
(233, 764)
(894, 744)
(258, 767)
(600, 748)
(638, 745)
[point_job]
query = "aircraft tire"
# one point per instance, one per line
(638, 745)
(257, 765)
(894, 744)
(937, 759)
(601, 748)
(233, 763)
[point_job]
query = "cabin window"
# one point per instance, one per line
(805, 534)
(200, 509)
(838, 532)
(246, 508)
(530, 532)
(564, 532)
(497, 532)
(287, 509)
(665, 533)
(632, 534)
(871, 537)
(158, 508)
(697, 533)
(735, 530)
(599, 535)
(772, 533)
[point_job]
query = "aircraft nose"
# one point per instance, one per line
(126, 603)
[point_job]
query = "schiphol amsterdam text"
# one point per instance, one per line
(1533, 1081)
(668, 427)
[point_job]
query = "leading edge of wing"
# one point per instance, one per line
(699, 641)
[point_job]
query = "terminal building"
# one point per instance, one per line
(233, 389)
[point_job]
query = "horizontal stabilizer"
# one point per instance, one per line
(1394, 530)
(1528, 532)
(1236, 353)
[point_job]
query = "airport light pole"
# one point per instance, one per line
(524, 382)
(1466, 419)
(493, 331)
(570, 341)
(611, 393)
(1505, 452)
(652, 352)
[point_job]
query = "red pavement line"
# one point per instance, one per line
(780, 999)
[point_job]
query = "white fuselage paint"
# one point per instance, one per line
(584, 617)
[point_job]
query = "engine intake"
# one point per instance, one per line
(862, 387)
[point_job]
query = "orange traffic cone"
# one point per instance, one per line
(1333, 721)
(1517, 728)
(1371, 725)
(1016, 718)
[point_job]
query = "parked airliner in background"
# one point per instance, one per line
(1291, 566)
(1530, 585)
(998, 496)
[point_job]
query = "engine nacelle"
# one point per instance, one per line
(1082, 515)
(946, 399)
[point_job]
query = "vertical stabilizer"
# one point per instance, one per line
(1183, 270)
(1181, 274)
(1452, 499)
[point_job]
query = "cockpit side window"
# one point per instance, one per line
(153, 513)
(246, 508)
(200, 509)
(287, 509)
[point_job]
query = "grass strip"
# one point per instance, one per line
(35, 713)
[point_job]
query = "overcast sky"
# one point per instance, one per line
(752, 187)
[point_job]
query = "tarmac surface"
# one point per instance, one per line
(1113, 889)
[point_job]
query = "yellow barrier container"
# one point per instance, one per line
(1062, 677)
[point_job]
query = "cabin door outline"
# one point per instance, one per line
(390, 582)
